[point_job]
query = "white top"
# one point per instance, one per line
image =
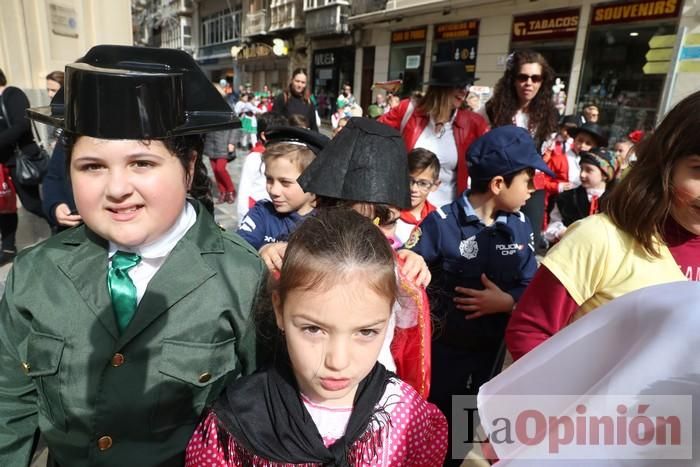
(154, 254)
(252, 185)
(574, 169)
(443, 144)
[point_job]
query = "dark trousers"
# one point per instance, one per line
(8, 230)
(459, 372)
(534, 210)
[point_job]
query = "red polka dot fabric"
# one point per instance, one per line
(415, 436)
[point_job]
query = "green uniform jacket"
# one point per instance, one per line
(101, 399)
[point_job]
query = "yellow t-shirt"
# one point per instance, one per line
(598, 262)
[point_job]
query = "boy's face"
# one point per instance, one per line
(281, 183)
(127, 192)
(512, 198)
(584, 142)
(333, 336)
(421, 184)
(592, 177)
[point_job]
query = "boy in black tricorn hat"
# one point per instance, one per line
(288, 152)
(116, 334)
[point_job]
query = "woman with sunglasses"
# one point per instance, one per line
(439, 123)
(523, 97)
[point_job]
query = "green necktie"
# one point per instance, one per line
(121, 288)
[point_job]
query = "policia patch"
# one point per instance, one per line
(413, 239)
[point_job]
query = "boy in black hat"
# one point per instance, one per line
(481, 253)
(288, 152)
(114, 335)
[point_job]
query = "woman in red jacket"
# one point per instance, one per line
(438, 122)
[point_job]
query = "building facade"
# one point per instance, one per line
(619, 55)
(40, 36)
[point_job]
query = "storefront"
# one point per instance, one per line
(406, 58)
(553, 34)
(331, 68)
(616, 75)
(457, 42)
(259, 66)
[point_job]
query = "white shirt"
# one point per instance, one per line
(154, 254)
(443, 144)
(252, 184)
(572, 160)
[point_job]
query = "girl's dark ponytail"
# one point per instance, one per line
(201, 184)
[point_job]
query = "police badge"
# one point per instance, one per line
(413, 238)
(469, 248)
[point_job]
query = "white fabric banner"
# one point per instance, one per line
(636, 349)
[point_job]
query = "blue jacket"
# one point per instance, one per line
(263, 225)
(56, 188)
(458, 248)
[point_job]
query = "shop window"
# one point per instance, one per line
(406, 64)
(614, 79)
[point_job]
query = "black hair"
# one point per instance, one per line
(3, 79)
(482, 186)
(269, 120)
(182, 147)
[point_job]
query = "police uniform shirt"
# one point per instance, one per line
(459, 247)
(263, 225)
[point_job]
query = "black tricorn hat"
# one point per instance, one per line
(121, 92)
(592, 129)
(449, 74)
(314, 140)
(366, 162)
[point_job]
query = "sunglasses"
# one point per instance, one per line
(522, 77)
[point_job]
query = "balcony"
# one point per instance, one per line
(255, 23)
(285, 14)
(327, 20)
(361, 7)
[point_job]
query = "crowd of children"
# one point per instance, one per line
(138, 340)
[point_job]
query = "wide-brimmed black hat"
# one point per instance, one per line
(120, 92)
(449, 74)
(366, 162)
(592, 129)
(314, 140)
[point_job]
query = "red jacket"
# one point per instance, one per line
(467, 127)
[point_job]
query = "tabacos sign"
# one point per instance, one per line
(550, 25)
(635, 11)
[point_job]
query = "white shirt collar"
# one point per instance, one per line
(161, 247)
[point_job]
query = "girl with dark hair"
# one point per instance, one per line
(296, 99)
(326, 400)
(438, 122)
(118, 333)
(523, 97)
(649, 234)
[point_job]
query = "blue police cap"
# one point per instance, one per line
(503, 151)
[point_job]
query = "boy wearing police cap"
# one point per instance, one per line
(480, 250)
(289, 150)
(114, 335)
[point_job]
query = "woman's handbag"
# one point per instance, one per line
(29, 168)
(8, 198)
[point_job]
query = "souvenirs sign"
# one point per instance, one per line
(626, 12)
